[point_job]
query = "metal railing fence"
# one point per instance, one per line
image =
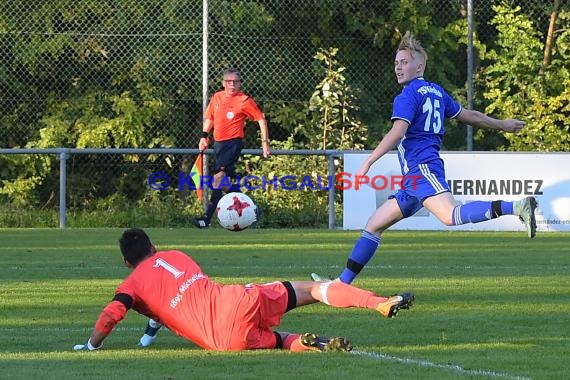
(64, 155)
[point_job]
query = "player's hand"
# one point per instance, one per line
(203, 144)
(512, 125)
(85, 347)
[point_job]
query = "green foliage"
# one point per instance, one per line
(25, 217)
(100, 120)
(102, 102)
(410, 15)
(167, 208)
(296, 205)
(244, 17)
(328, 120)
(22, 175)
(517, 85)
(155, 209)
(128, 74)
(332, 107)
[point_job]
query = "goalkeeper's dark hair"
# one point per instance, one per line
(135, 245)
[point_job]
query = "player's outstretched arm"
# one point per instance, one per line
(479, 119)
(112, 314)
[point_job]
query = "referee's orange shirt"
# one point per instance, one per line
(171, 288)
(228, 114)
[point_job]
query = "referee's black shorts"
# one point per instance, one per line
(226, 154)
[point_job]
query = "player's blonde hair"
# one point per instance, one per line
(411, 44)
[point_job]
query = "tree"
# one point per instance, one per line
(550, 35)
(517, 84)
(82, 86)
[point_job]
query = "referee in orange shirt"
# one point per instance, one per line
(226, 114)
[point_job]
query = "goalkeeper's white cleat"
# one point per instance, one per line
(150, 333)
(146, 340)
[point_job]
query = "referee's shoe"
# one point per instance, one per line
(200, 222)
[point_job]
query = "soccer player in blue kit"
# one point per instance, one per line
(417, 131)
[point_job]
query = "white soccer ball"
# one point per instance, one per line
(236, 211)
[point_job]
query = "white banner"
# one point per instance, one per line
(482, 176)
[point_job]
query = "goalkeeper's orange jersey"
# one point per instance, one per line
(229, 114)
(171, 288)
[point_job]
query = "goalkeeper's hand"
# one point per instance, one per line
(86, 347)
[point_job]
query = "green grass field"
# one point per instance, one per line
(488, 305)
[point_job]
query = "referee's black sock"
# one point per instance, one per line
(214, 199)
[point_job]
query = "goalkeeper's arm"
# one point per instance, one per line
(112, 314)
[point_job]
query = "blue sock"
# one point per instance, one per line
(480, 211)
(507, 208)
(361, 254)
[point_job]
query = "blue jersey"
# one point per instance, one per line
(424, 106)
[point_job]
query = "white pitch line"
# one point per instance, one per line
(425, 363)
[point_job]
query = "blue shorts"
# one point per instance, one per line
(227, 154)
(423, 181)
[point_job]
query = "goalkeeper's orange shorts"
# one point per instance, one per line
(258, 312)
